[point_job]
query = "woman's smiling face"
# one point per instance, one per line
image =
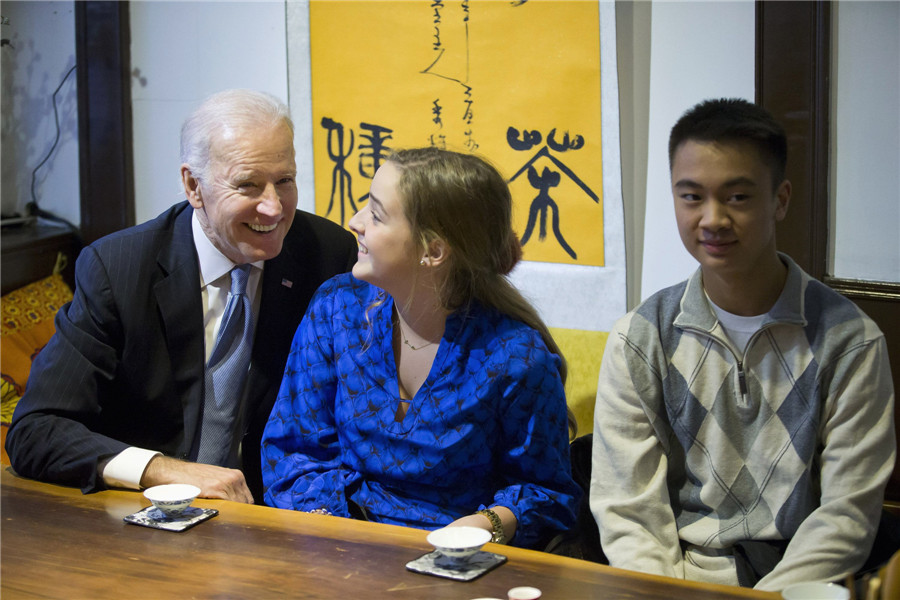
(388, 255)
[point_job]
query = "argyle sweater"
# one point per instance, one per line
(699, 445)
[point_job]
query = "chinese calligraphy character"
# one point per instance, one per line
(543, 203)
(436, 111)
(373, 153)
(461, 77)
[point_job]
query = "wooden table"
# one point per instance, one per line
(58, 543)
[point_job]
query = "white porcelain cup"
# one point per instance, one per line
(524, 593)
(815, 591)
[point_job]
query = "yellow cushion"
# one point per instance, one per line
(26, 327)
(583, 351)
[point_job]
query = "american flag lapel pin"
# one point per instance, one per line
(287, 283)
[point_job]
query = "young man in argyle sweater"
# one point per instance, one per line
(743, 430)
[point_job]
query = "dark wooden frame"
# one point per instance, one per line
(103, 55)
(792, 82)
(793, 76)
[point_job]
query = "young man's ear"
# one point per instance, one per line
(191, 186)
(438, 251)
(783, 198)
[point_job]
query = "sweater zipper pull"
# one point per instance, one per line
(742, 380)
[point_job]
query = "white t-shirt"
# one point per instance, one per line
(738, 329)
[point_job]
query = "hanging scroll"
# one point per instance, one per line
(528, 84)
(493, 78)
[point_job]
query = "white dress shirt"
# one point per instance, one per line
(126, 468)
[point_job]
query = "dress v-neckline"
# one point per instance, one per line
(392, 384)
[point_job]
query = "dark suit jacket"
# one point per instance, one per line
(126, 365)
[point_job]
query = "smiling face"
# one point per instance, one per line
(246, 205)
(388, 256)
(726, 209)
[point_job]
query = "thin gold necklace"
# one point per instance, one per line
(406, 341)
(411, 347)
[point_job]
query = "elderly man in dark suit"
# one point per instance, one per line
(128, 393)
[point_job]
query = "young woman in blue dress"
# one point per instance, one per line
(423, 389)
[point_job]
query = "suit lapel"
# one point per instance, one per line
(180, 306)
(285, 293)
(281, 289)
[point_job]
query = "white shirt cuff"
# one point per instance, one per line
(126, 468)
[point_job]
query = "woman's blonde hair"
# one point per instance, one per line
(464, 201)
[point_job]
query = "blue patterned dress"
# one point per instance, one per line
(487, 427)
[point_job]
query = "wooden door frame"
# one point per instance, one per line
(106, 160)
(793, 82)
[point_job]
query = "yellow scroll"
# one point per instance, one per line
(516, 82)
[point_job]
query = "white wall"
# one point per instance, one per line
(699, 50)
(866, 141)
(182, 52)
(40, 53)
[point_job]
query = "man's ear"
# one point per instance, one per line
(438, 252)
(783, 198)
(191, 186)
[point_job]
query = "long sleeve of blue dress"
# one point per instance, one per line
(488, 426)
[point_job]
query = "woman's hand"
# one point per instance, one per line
(507, 518)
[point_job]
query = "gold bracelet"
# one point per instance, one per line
(496, 525)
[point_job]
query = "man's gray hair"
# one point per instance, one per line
(227, 108)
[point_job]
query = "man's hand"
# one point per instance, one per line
(213, 481)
